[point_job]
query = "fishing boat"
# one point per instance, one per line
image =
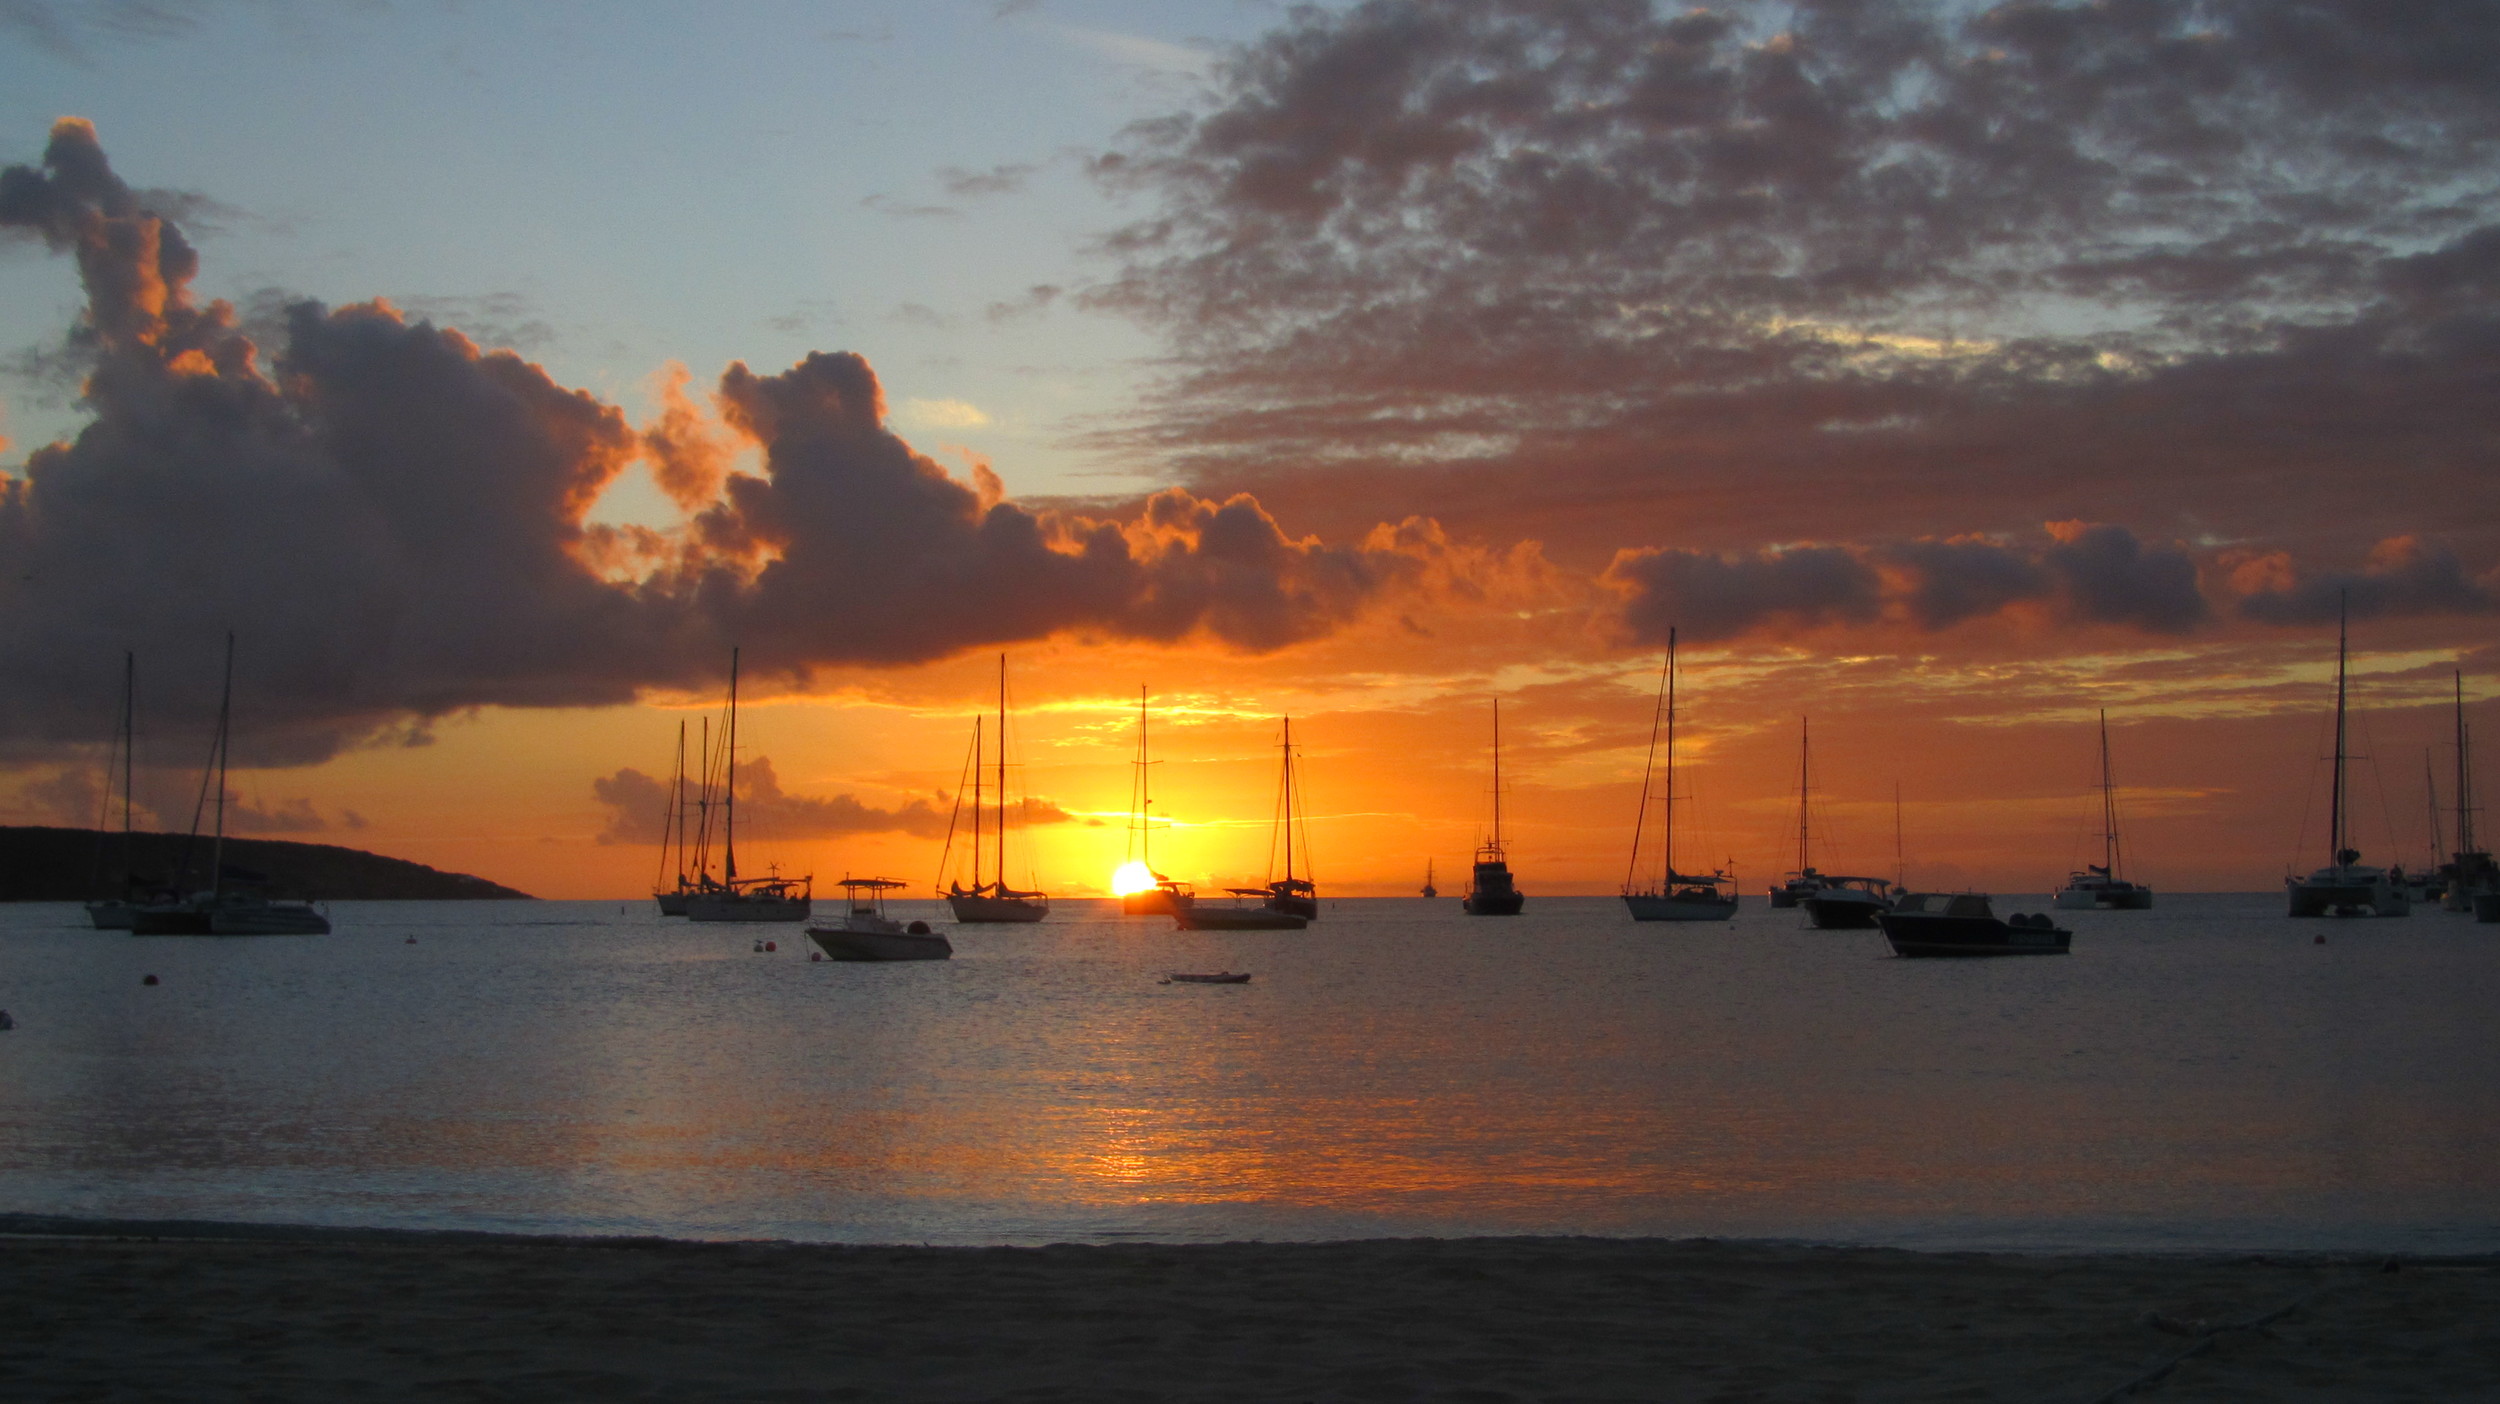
(1248, 911)
(2345, 887)
(1963, 924)
(1151, 899)
(1848, 903)
(1804, 881)
(113, 913)
(1429, 889)
(1491, 891)
(1294, 894)
(772, 898)
(219, 910)
(2469, 875)
(2102, 885)
(1671, 896)
(867, 933)
(990, 901)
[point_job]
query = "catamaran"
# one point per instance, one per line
(1673, 896)
(2100, 884)
(992, 900)
(733, 898)
(1490, 888)
(2344, 887)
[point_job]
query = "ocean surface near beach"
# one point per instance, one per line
(2204, 1076)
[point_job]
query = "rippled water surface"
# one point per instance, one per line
(2204, 1075)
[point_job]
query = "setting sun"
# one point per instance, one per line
(1132, 877)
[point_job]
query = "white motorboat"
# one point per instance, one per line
(867, 933)
(1672, 895)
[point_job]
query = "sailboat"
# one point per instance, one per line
(113, 913)
(1288, 903)
(2344, 887)
(1429, 889)
(1674, 896)
(1154, 900)
(2099, 885)
(217, 911)
(1490, 889)
(994, 900)
(674, 898)
(1804, 882)
(2470, 875)
(733, 898)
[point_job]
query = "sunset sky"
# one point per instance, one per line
(1944, 373)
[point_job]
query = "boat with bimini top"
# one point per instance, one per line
(866, 932)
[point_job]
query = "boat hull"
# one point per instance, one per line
(2487, 906)
(1651, 906)
(737, 907)
(1782, 899)
(267, 919)
(2356, 896)
(109, 916)
(2130, 898)
(1154, 901)
(672, 903)
(841, 944)
(1920, 934)
(978, 907)
(171, 919)
(1843, 913)
(1220, 978)
(1493, 903)
(1306, 908)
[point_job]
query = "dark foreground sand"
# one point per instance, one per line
(200, 1313)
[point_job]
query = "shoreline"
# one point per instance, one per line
(188, 1309)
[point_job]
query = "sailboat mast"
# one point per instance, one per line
(678, 819)
(1649, 764)
(1144, 790)
(1805, 789)
(729, 784)
(1666, 837)
(1284, 797)
(1900, 869)
(1002, 778)
(225, 717)
(2335, 795)
(703, 810)
(977, 723)
(2109, 808)
(2430, 794)
(2465, 776)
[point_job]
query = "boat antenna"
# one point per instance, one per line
(1640, 817)
(1497, 777)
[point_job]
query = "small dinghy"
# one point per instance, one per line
(1221, 977)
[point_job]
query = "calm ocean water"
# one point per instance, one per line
(2199, 1076)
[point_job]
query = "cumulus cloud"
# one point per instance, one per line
(393, 521)
(1718, 273)
(2083, 574)
(2404, 576)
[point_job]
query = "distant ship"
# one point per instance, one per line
(772, 898)
(1429, 889)
(1490, 890)
(2100, 885)
(1673, 896)
(2345, 886)
(992, 901)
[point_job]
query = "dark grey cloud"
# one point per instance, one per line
(1713, 597)
(638, 805)
(2403, 577)
(392, 521)
(1596, 270)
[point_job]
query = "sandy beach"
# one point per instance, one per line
(195, 1312)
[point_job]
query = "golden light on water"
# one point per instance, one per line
(1131, 877)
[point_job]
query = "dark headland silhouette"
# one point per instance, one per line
(61, 865)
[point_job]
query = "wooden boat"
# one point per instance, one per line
(1221, 977)
(867, 933)
(990, 901)
(1249, 912)
(1491, 890)
(1672, 896)
(2101, 885)
(735, 899)
(2345, 886)
(1963, 924)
